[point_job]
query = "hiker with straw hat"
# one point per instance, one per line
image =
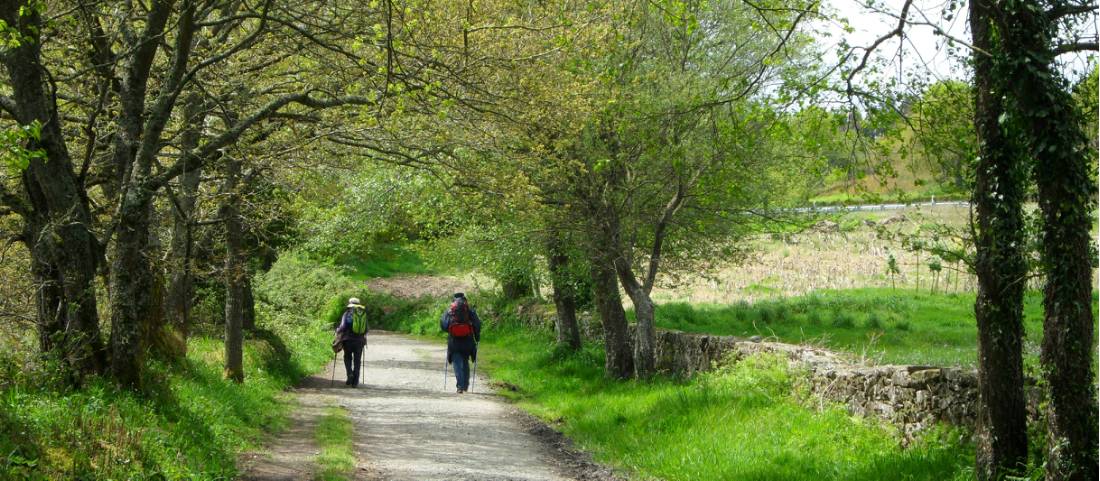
(353, 335)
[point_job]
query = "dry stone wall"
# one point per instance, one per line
(912, 397)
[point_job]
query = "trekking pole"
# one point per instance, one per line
(444, 374)
(333, 378)
(474, 375)
(362, 359)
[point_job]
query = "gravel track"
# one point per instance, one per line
(409, 428)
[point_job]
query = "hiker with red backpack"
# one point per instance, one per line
(353, 336)
(463, 329)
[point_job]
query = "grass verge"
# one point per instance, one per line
(336, 462)
(190, 423)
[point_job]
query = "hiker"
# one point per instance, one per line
(463, 329)
(352, 334)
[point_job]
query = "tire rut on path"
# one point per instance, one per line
(409, 428)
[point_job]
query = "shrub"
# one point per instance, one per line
(874, 321)
(844, 320)
(742, 311)
(302, 286)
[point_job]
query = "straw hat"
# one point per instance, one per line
(353, 302)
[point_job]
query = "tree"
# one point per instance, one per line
(121, 104)
(666, 162)
(1041, 106)
(54, 208)
(1026, 123)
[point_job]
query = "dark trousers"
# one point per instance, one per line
(461, 362)
(353, 360)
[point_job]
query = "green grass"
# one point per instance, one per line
(892, 326)
(745, 422)
(336, 461)
(188, 423)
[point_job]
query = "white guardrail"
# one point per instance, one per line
(879, 207)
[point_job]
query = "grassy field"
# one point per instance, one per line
(882, 325)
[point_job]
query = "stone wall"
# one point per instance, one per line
(912, 397)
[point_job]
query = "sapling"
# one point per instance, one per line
(935, 266)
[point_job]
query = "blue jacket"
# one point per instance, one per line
(465, 345)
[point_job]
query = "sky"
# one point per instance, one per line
(922, 50)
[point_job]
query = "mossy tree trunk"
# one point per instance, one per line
(180, 290)
(235, 297)
(1000, 266)
(1043, 108)
(565, 296)
(65, 254)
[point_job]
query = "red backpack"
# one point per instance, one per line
(460, 325)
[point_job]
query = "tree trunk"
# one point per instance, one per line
(1066, 199)
(565, 297)
(645, 330)
(134, 313)
(1068, 334)
(248, 301)
(64, 252)
(619, 363)
(234, 276)
(1001, 270)
(180, 291)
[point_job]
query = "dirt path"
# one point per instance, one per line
(407, 427)
(413, 286)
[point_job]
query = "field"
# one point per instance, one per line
(849, 254)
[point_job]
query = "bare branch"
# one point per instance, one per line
(1069, 9)
(195, 158)
(867, 51)
(1076, 47)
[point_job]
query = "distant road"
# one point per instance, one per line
(879, 207)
